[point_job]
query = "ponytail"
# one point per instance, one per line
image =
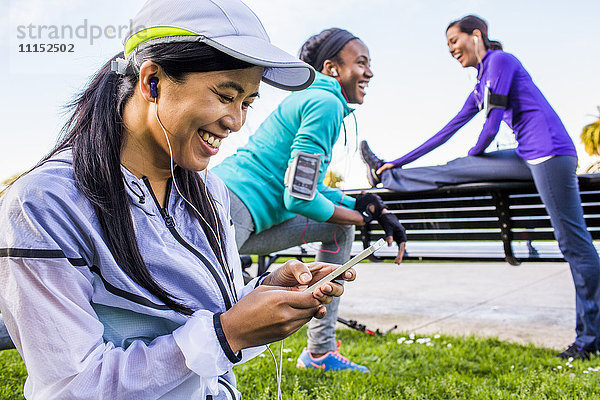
(494, 45)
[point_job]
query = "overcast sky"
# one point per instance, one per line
(417, 86)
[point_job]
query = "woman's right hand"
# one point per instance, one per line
(268, 314)
(384, 167)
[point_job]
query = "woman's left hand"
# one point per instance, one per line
(384, 167)
(297, 274)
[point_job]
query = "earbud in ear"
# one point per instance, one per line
(476, 40)
(154, 87)
(334, 72)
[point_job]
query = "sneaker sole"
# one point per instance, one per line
(372, 177)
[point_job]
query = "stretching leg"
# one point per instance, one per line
(494, 166)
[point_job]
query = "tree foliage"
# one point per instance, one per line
(333, 179)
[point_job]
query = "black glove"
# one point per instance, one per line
(363, 203)
(392, 227)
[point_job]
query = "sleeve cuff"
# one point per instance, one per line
(234, 358)
(202, 349)
(261, 279)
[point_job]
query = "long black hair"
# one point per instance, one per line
(95, 134)
(469, 23)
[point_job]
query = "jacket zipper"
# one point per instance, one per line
(170, 223)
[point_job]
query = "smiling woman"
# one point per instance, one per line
(119, 274)
(545, 154)
(187, 119)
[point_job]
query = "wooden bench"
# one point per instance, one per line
(478, 215)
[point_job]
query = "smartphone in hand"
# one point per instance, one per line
(343, 268)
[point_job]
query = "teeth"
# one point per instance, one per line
(458, 56)
(211, 140)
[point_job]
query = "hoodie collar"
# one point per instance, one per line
(331, 85)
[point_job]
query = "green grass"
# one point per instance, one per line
(12, 375)
(448, 368)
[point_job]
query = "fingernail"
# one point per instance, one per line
(305, 277)
(326, 288)
(348, 274)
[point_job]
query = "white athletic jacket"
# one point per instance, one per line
(84, 329)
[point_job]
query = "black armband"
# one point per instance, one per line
(493, 100)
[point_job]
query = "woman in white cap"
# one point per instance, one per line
(119, 274)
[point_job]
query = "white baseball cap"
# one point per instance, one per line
(226, 25)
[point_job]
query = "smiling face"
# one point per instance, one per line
(463, 47)
(197, 114)
(354, 70)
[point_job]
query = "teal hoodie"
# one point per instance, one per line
(307, 121)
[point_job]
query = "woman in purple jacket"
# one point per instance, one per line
(545, 152)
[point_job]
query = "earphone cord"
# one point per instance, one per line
(278, 370)
(217, 235)
(479, 72)
(337, 78)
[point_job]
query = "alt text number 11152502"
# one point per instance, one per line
(46, 48)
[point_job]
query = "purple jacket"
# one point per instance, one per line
(538, 129)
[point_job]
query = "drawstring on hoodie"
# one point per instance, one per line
(141, 196)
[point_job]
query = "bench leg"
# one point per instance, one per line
(503, 213)
(264, 262)
(261, 265)
(533, 253)
(365, 236)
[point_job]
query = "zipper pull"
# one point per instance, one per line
(169, 221)
(167, 217)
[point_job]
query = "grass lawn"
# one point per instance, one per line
(12, 375)
(432, 367)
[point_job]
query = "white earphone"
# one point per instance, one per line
(334, 72)
(476, 40)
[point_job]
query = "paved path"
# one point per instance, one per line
(531, 303)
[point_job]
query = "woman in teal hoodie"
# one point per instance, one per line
(267, 218)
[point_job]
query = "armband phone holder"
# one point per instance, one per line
(492, 100)
(302, 175)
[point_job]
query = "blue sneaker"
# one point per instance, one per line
(331, 361)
